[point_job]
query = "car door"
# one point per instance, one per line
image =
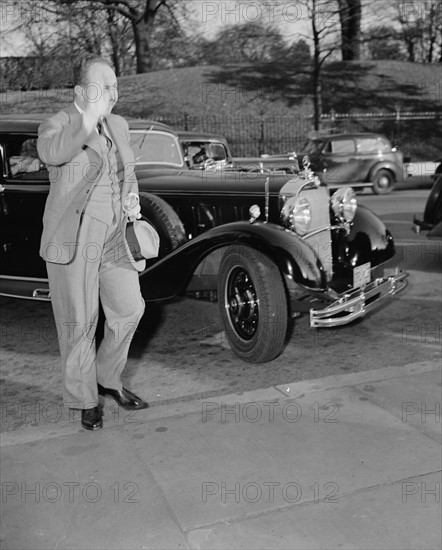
(340, 162)
(25, 186)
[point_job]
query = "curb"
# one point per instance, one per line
(65, 428)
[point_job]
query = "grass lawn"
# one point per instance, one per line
(210, 94)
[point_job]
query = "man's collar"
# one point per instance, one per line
(79, 109)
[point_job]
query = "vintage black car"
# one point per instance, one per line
(205, 151)
(432, 219)
(358, 160)
(269, 247)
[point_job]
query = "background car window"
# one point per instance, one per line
(24, 161)
(372, 145)
(155, 148)
(342, 146)
(201, 151)
(217, 151)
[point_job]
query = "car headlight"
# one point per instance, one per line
(344, 204)
(296, 214)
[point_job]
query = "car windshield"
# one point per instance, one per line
(154, 147)
(312, 146)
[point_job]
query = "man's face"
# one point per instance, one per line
(101, 86)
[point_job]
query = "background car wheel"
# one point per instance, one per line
(383, 182)
(165, 220)
(253, 304)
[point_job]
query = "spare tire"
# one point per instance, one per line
(163, 217)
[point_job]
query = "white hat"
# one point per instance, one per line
(143, 241)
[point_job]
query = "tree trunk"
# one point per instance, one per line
(142, 32)
(410, 50)
(115, 54)
(317, 96)
(350, 17)
(317, 66)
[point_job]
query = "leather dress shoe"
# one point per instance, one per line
(126, 399)
(91, 419)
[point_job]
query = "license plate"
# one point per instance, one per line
(361, 275)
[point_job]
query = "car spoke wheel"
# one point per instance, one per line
(253, 304)
(383, 182)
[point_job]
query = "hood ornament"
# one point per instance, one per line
(309, 175)
(306, 163)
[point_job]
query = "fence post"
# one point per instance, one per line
(261, 139)
(396, 125)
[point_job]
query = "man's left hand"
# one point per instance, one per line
(134, 213)
(131, 207)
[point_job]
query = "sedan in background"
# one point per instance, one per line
(357, 160)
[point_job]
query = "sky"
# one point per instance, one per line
(207, 17)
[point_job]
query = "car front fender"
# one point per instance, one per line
(296, 260)
(369, 240)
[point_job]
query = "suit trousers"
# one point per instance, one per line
(102, 272)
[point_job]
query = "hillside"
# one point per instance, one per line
(258, 90)
(219, 98)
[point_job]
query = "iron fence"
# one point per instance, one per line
(417, 134)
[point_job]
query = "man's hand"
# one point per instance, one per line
(95, 106)
(134, 214)
(131, 206)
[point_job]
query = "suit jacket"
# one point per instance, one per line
(74, 163)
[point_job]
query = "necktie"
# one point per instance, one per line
(102, 132)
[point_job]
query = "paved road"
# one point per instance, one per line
(179, 351)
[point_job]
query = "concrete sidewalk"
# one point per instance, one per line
(349, 461)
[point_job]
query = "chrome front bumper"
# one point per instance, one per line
(356, 303)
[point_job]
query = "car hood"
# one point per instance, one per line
(190, 181)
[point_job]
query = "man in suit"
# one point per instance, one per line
(91, 171)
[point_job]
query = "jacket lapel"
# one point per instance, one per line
(118, 134)
(119, 138)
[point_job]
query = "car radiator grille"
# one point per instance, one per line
(319, 235)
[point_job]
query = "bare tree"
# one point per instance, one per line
(350, 14)
(100, 26)
(248, 42)
(323, 18)
(142, 15)
(420, 29)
